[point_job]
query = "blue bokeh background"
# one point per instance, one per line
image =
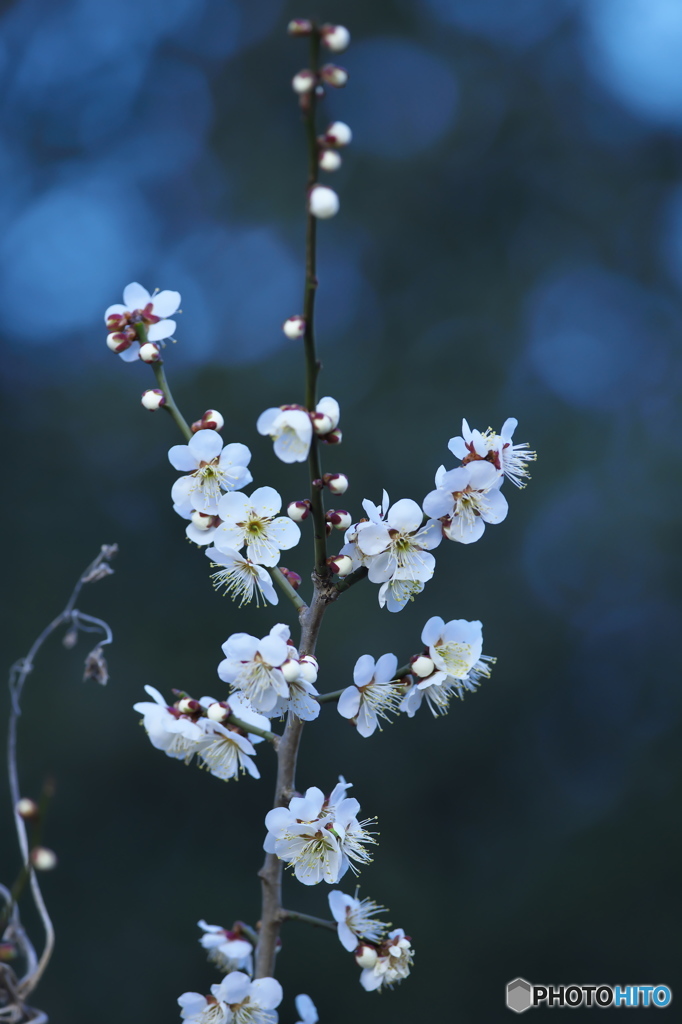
(509, 243)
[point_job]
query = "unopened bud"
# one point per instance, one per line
(338, 134)
(299, 27)
(340, 565)
(421, 665)
(202, 520)
(333, 437)
(150, 353)
(303, 81)
(294, 327)
(298, 510)
(219, 712)
(322, 424)
(117, 321)
(334, 75)
(323, 202)
(211, 420)
(43, 859)
(335, 37)
(27, 808)
(339, 518)
(291, 670)
(187, 706)
(329, 160)
(336, 482)
(366, 956)
(292, 576)
(118, 342)
(153, 399)
(308, 668)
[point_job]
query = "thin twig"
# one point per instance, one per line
(316, 922)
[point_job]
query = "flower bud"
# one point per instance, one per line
(219, 712)
(203, 520)
(336, 482)
(421, 665)
(329, 160)
(187, 706)
(117, 321)
(308, 668)
(322, 424)
(150, 353)
(323, 202)
(27, 808)
(334, 75)
(153, 399)
(333, 437)
(211, 420)
(366, 956)
(291, 670)
(299, 27)
(303, 81)
(43, 859)
(338, 134)
(339, 518)
(294, 327)
(335, 37)
(340, 565)
(298, 510)
(118, 342)
(292, 576)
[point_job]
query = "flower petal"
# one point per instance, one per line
(349, 702)
(162, 330)
(135, 296)
(166, 303)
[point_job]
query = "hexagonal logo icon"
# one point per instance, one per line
(519, 995)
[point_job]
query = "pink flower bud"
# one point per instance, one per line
(292, 576)
(27, 809)
(203, 520)
(333, 437)
(339, 518)
(211, 420)
(335, 37)
(118, 342)
(153, 399)
(338, 134)
(298, 510)
(322, 424)
(43, 859)
(299, 27)
(303, 82)
(323, 202)
(334, 75)
(329, 160)
(187, 706)
(150, 353)
(422, 665)
(117, 321)
(336, 482)
(341, 565)
(294, 327)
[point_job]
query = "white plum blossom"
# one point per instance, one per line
(253, 521)
(467, 498)
(201, 527)
(399, 547)
(389, 964)
(242, 579)
(356, 919)
(169, 730)
(226, 949)
(510, 459)
(306, 1010)
(290, 428)
(236, 1000)
(140, 307)
(373, 695)
(395, 594)
(319, 838)
(255, 667)
(376, 514)
(455, 650)
(225, 752)
(212, 469)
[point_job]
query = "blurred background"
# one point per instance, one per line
(509, 244)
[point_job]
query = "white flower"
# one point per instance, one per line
(455, 646)
(306, 1010)
(290, 428)
(373, 696)
(399, 547)
(510, 459)
(395, 594)
(168, 730)
(469, 497)
(319, 838)
(236, 1000)
(356, 919)
(253, 521)
(202, 525)
(226, 949)
(141, 307)
(255, 667)
(394, 960)
(212, 468)
(225, 751)
(242, 579)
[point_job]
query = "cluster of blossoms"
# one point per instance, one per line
(236, 1000)
(291, 427)
(140, 322)
(319, 837)
(385, 959)
(227, 948)
(451, 663)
